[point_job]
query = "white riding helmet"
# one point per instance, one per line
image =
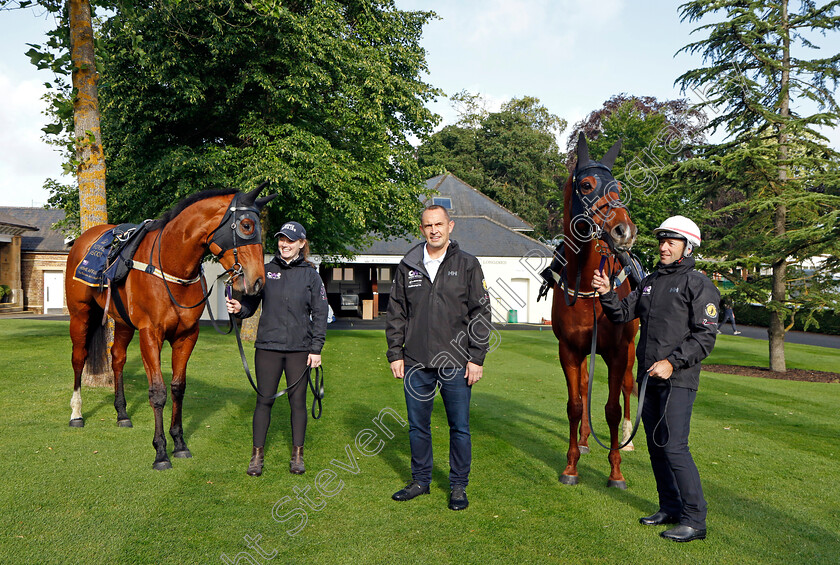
(680, 227)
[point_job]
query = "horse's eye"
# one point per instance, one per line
(247, 226)
(586, 187)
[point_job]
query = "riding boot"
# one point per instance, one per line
(255, 467)
(296, 464)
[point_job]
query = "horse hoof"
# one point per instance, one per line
(162, 465)
(124, 423)
(584, 449)
(617, 484)
(569, 479)
(183, 454)
(628, 447)
(77, 423)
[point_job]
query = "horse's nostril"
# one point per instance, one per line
(258, 285)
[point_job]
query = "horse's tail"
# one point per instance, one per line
(97, 347)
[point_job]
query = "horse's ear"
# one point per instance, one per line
(260, 202)
(582, 150)
(250, 197)
(609, 158)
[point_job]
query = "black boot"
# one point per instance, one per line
(296, 464)
(255, 467)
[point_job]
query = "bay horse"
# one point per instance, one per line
(164, 299)
(596, 227)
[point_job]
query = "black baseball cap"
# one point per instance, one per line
(293, 230)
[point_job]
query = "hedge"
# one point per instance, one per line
(756, 315)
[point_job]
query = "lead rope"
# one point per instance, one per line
(592, 355)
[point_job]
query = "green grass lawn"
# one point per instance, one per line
(767, 451)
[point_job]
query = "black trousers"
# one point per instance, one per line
(270, 366)
(677, 478)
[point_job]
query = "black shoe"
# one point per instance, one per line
(660, 517)
(683, 533)
(458, 498)
(411, 490)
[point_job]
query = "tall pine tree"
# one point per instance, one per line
(771, 91)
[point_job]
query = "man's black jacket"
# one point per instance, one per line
(444, 323)
(678, 310)
(294, 314)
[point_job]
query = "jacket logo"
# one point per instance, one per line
(453, 273)
(711, 310)
(414, 274)
(675, 289)
(646, 290)
(273, 275)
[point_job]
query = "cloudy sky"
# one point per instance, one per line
(572, 55)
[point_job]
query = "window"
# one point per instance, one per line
(342, 274)
(383, 274)
(445, 202)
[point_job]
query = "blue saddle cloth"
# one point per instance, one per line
(109, 258)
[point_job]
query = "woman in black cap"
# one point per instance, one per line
(292, 329)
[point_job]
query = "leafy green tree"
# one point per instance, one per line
(655, 135)
(318, 96)
(769, 97)
(511, 155)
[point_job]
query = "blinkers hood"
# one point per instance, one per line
(601, 170)
(241, 223)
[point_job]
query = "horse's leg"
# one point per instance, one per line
(150, 343)
(574, 410)
(181, 350)
(122, 337)
(583, 443)
(617, 368)
(78, 336)
(627, 392)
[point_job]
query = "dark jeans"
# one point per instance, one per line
(677, 478)
(729, 316)
(420, 386)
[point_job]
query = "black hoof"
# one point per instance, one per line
(162, 465)
(183, 454)
(77, 423)
(569, 479)
(617, 484)
(124, 423)
(584, 449)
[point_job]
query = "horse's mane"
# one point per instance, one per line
(170, 214)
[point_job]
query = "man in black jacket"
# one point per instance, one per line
(438, 331)
(678, 310)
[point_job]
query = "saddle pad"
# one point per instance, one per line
(90, 268)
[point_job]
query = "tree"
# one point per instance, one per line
(511, 155)
(319, 97)
(655, 135)
(769, 98)
(89, 159)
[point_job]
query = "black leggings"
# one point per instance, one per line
(270, 366)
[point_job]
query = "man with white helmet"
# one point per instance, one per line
(678, 310)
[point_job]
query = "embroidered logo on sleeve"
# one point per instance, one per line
(711, 310)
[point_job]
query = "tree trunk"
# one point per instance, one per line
(776, 332)
(90, 172)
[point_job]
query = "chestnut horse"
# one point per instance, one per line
(596, 225)
(164, 300)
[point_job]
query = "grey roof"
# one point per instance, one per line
(479, 236)
(46, 239)
(467, 201)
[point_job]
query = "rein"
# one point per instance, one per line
(592, 359)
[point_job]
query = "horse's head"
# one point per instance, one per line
(237, 242)
(596, 206)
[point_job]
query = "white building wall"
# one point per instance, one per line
(513, 284)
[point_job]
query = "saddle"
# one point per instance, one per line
(555, 273)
